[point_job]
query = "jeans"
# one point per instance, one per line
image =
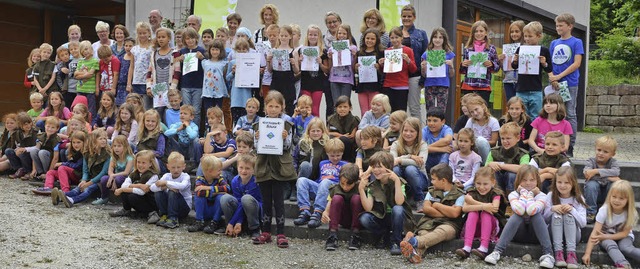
(516, 229)
(571, 113)
(104, 190)
(193, 97)
(618, 250)
(308, 188)
(207, 209)
(594, 193)
(482, 148)
(415, 178)
(64, 174)
(42, 159)
(305, 169)
(413, 97)
(505, 180)
(339, 89)
(78, 196)
(345, 213)
(564, 226)
(393, 221)
(509, 90)
(141, 89)
(532, 102)
(434, 159)
(172, 204)
(250, 209)
(16, 162)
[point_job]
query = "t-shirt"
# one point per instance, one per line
(442, 81)
(171, 116)
(88, 85)
(142, 59)
(459, 200)
(464, 167)
(484, 130)
(222, 148)
(563, 54)
(73, 65)
(163, 67)
(106, 73)
(615, 225)
(34, 114)
(120, 166)
(544, 126)
(428, 137)
(330, 171)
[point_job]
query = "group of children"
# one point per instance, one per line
(371, 173)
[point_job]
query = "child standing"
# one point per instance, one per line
(465, 162)
(240, 96)
(284, 81)
(314, 83)
(552, 118)
(62, 69)
(529, 87)
(162, 67)
(44, 76)
(409, 153)
(484, 126)
(341, 77)
(551, 159)
(214, 68)
(344, 125)
(566, 214)
(614, 224)
(273, 172)
(377, 116)
(397, 84)
(438, 135)
(69, 171)
(245, 123)
(136, 189)
(109, 70)
(209, 190)
(119, 168)
(383, 198)
(72, 85)
(511, 76)
(141, 59)
(528, 203)
(370, 144)
(485, 208)
(436, 92)
(126, 125)
(344, 206)
(442, 215)
(245, 205)
(506, 159)
(370, 47)
(517, 112)
(124, 79)
(567, 53)
(600, 172)
(479, 43)
(396, 120)
(87, 75)
(34, 58)
(173, 193)
(191, 83)
(106, 116)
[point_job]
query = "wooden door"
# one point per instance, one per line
(463, 33)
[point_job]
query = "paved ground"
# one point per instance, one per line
(628, 146)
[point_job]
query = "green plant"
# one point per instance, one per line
(310, 52)
(619, 46)
(611, 72)
(479, 58)
(367, 61)
(436, 58)
(592, 130)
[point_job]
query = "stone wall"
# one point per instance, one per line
(613, 108)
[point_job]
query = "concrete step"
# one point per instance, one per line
(628, 170)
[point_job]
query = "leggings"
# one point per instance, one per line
(345, 213)
(484, 222)
(64, 174)
(273, 197)
(364, 98)
(618, 250)
(316, 97)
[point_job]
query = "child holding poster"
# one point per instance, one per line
(239, 95)
(314, 83)
(273, 172)
(397, 84)
(480, 60)
(161, 70)
(529, 86)
(437, 63)
(281, 62)
(341, 75)
(191, 82)
(508, 50)
(370, 49)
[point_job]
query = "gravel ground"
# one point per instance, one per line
(33, 233)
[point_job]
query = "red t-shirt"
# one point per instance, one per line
(106, 73)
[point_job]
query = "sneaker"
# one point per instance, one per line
(171, 224)
(162, 221)
(623, 266)
(546, 261)
(263, 238)
(591, 218)
(355, 242)
(479, 253)
(332, 242)
(100, 201)
(153, 217)
(196, 227)
(303, 218)
(282, 241)
(121, 213)
(54, 196)
(492, 258)
(560, 262)
(42, 191)
(18, 174)
(211, 228)
(572, 260)
(395, 250)
(65, 200)
(463, 254)
(409, 252)
(254, 233)
(220, 231)
(315, 220)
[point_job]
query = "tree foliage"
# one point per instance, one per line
(608, 15)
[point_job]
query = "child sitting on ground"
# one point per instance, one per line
(600, 172)
(42, 152)
(36, 100)
(311, 152)
(505, 160)
(69, 171)
(438, 136)
(120, 168)
(172, 193)
(244, 142)
(378, 116)
(135, 190)
(244, 207)
(442, 215)
(209, 190)
(18, 158)
(344, 208)
(181, 134)
(551, 159)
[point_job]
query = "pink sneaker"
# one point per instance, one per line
(560, 262)
(572, 260)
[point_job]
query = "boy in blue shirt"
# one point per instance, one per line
(182, 134)
(566, 56)
(439, 137)
(218, 144)
(172, 114)
(245, 205)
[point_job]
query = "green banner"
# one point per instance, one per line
(214, 12)
(390, 10)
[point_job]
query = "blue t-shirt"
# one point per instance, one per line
(330, 171)
(120, 166)
(428, 137)
(563, 53)
(443, 82)
(300, 124)
(459, 200)
(222, 148)
(171, 116)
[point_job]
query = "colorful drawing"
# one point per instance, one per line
(190, 63)
(528, 61)
(393, 61)
(280, 60)
(436, 67)
(341, 53)
(477, 68)
(367, 70)
(159, 92)
(509, 50)
(309, 58)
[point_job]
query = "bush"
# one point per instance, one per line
(611, 72)
(617, 46)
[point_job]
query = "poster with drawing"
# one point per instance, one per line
(280, 60)
(310, 59)
(393, 61)
(341, 53)
(436, 67)
(159, 92)
(367, 70)
(528, 61)
(509, 50)
(190, 63)
(477, 69)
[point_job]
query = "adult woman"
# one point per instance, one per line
(119, 33)
(268, 15)
(333, 21)
(102, 29)
(417, 40)
(372, 19)
(74, 34)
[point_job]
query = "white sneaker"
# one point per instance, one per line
(547, 261)
(492, 258)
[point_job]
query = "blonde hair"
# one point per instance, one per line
(82, 122)
(334, 145)
(142, 130)
(102, 26)
(475, 26)
(607, 142)
(85, 44)
(51, 120)
(520, 25)
(37, 52)
(46, 46)
(468, 133)
(175, 157)
(254, 101)
(566, 18)
(188, 108)
(533, 27)
(85, 111)
(161, 29)
(304, 99)
(372, 132)
(36, 96)
(381, 27)
(104, 52)
(122, 140)
(93, 147)
(555, 135)
(74, 27)
(209, 162)
(510, 128)
(306, 143)
(478, 101)
(274, 12)
(143, 25)
(384, 100)
(623, 188)
(320, 44)
(414, 123)
(149, 156)
(290, 32)
(524, 117)
(398, 116)
(274, 96)
(485, 172)
(568, 172)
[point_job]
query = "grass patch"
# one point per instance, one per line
(592, 130)
(611, 72)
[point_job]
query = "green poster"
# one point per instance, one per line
(390, 10)
(214, 12)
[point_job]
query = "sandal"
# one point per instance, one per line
(282, 241)
(262, 239)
